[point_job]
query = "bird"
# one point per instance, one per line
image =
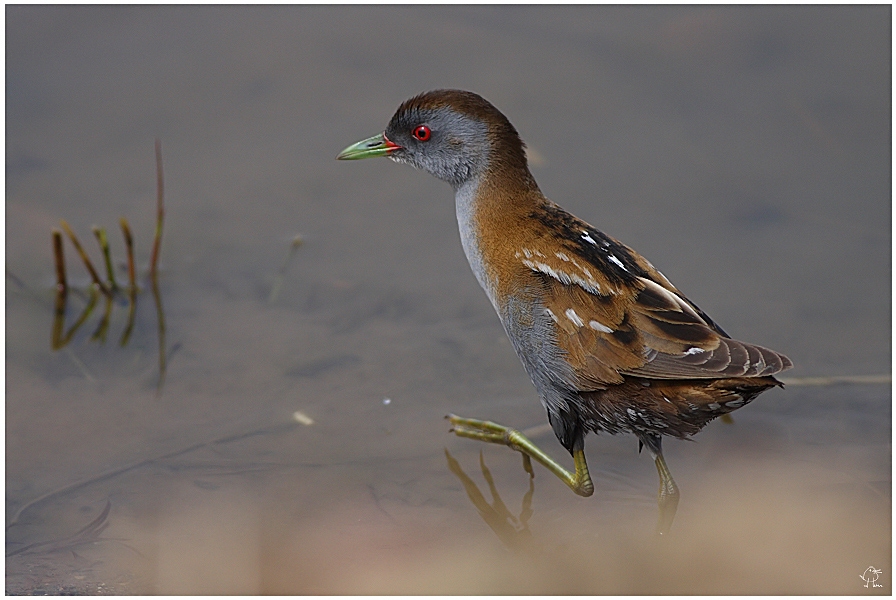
(609, 343)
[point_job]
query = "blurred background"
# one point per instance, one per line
(745, 151)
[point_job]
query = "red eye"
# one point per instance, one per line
(422, 132)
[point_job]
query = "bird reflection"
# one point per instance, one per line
(513, 531)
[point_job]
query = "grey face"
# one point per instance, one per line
(443, 142)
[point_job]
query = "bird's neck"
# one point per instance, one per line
(492, 210)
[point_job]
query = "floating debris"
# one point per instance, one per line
(302, 418)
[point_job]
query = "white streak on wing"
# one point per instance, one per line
(597, 326)
(575, 318)
(547, 270)
(674, 298)
(617, 262)
(562, 276)
(593, 281)
(658, 272)
(695, 350)
(588, 238)
(562, 256)
(551, 314)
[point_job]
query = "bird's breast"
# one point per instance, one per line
(471, 237)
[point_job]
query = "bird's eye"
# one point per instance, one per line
(422, 133)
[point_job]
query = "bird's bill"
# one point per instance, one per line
(378, 145)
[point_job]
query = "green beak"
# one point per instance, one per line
(378, 145)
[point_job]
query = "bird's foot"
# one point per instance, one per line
(486, 431)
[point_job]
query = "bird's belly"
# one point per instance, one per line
(678, 408)
(533, 337)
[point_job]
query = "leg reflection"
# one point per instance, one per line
(511, 530)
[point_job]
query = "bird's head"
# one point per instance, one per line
(454, 135)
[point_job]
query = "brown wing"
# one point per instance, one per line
(644, 329)
(615, 314)
(679, 343)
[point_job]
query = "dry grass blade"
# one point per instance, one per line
(160, 212)
(132, 281)
(129, 247)
(86, 259)
(100, 233)
(59, 258)
(61, 291)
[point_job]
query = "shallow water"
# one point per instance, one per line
(744, 151)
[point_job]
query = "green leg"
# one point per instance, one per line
(486, 431)
(668, 496)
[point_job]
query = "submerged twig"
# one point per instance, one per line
(229, 438)
(86, 535)
(297, 241)
(163, 363)
(15, 279)
(81, 366)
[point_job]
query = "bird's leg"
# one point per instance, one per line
(486, 431)
(668, 496)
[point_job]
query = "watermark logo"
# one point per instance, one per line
(870, 577)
